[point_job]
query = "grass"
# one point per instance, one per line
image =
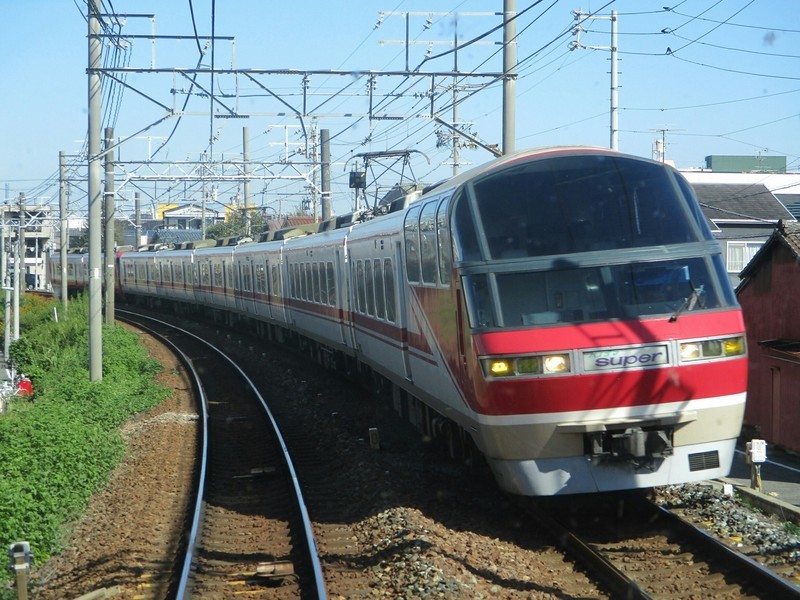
(59, 446)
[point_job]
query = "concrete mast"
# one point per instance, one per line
(509, 74)
(95, 197)
(109, 210)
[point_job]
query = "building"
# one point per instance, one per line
(190, 216)
(741, 217)
(743, 209)
(39, 227)
(768, 293)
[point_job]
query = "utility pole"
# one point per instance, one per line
(325, 157)
(109, 211)
(454, 127)
(64, 238)
(246, 166)
(203, 203)
(509, 74)
(95, 196)
(315, 172)
(137, 218)
(19, 264)
(582, 16)
(6, 287)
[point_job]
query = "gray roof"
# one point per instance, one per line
(739, 202)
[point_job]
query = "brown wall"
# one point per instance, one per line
(771, 305)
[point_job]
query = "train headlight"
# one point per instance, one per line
(557, 363)
(711, 349)
(525, 366)
(498, 367)
(691, 351)
(733, 346)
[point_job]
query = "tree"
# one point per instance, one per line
(236, 224)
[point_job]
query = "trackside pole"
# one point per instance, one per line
(756, 454)
(20, 556)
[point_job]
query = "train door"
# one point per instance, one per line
(402, 308)
(278, 286)
(346, 331)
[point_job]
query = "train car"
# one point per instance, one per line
(77, 271)
(565, 311)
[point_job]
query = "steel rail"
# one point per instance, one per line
(307, 528)
(766, 579)
(194, 531)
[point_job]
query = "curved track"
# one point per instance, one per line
(249, 532)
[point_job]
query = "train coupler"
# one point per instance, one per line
(632, 443)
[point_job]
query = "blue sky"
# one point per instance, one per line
(710, 76)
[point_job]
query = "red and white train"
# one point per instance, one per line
(566, 311)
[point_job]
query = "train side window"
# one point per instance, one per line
(360, 291)
(411, 238)
(248, 277)
(444, 243)
(275, 280)
(466, 239)
(317, 287)
(370, 287)
(217, 279)
(427, 243)
(478, 300)
(331, 282)
(261, 279)
(380, 298)
(388, 282)
(303, 281)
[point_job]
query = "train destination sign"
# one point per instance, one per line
(626, 358)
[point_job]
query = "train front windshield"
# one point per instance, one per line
(587, 237)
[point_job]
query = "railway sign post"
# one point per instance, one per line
(756, 454)
(20, 556)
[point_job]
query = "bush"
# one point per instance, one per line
(59, 448)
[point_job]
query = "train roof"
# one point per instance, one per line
(396, 204)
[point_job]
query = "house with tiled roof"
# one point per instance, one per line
(742, 216)
(769, 292)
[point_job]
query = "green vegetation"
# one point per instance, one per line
(236, 224)
(60, 446)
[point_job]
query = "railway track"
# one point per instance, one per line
(249, 533)
(634, 553)
(641, 550)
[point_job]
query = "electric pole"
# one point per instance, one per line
(109, 211)
(64, 238)
(95, 196)
(509, 74)
(581, 16)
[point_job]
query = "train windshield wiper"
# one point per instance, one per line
(689, 303)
